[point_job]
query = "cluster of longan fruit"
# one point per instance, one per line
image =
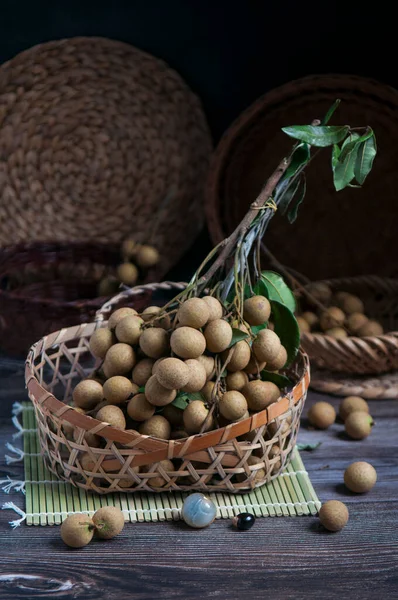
(353, 411)
(343, 316)
(137, 260)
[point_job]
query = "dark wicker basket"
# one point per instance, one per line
(335, 234)
(47, 286)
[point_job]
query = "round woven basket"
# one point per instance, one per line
(99, 140)
(338, 228)
(361, 355)
(217, 460)
(47, 286)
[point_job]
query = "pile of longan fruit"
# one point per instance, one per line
(343, 316)
(137, 259)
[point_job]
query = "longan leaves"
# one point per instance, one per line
(318, 135)
(280, 380)
(354, 159)
(237, 336)
(277, 289)
(286, 327)
(184, 398)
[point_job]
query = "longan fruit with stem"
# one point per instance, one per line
(254, 367)
(355, 321)
(303, 325)
(370, 328)
(197, 376)
(154, 342)
(218, 334)
(87, 394)
(187, 342)
(100, 342)
(108, 521)
(156, 394)
(173, 373)
(331, 317)
(147, 257)
(352, 404)
(128, 330)
(321, 415)
(240, 356)
(207, 390)
(77, 530)
(260, 394)
(119, 360)
(120, 314)
(127, 272)
(360, 477)
(194, 313)
(215, 308)
(142, 371)
(139, 409)
(157, 426)
(266, 346)
(256, 310)
(112, 415)
(279, 362)
(157, 316)
(236, 380)
(209, 365)
(333, 515)
(233, 405)
(358, 425)
(117, 389)
(194, 417)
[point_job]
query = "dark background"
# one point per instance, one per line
(229, 52)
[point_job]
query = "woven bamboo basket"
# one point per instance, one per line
(47, 286)
(337, 229)
(213, 461)
(361, 355)
(96, 138)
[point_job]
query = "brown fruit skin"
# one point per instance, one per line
(358, 425)
(92, 440)
(117, 389)
(333, 515)
(311, 318)
(279, 362)
(112, 415)
(154, 342)
(187, 342)
(158, 395)
(240, 357)
(77, 530)
(149, 314)
(207, 390)
(218, 334)
(349, 303)
(303, 325)
(332, 317)
(197, 376)
(215, 308)
(256, 310)
(360, 477)
(194, 416)
(209, 365)
(173, 415)
(119, 314)
(87, 394)
(127, 273)
(320, 291)
(119, 360)
(236, 380)
(100, 342)
(260, 394)
(194, 313)
(160, 481)
(254, 367)
(157, 426)
(355, 321)
(352, 404)
(129, 248)
(266, 346)
(147, 257)
(337, 332)
(233, 405)
(139, 409)
(173, 373)
(108, 286)
(259, 474)
(371, 328)
(128, 330)
(108, 521)
(321, 415)
(142, 371)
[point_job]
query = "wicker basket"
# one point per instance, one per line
(217, 460)
(47, 286)
(99, 140)
(336, 228)
(361, 355)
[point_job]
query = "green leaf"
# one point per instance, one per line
(260, 288)
(330, 112)
(335, 156)
(293, 210)
(237, 336)
(320, 136)
(348, 145)
(366, 153)
(277, 289)
(299, 158)
(286, 327)
(141, 389)
(256, 328)
(343, 172)
(309, 447)
(280, 380)
(288, 196)
(180, 401)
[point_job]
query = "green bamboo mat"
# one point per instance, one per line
(49, 500)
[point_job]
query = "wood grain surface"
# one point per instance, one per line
(280, 558)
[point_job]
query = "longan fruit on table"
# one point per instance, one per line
(100, 342)
(233, 405)
(360, 477)
(256, 310)
(260, 394)
(218, 335)
(352, 404)
(77, 530)
(154, 342)
(194, 312)
(117, 389)
(157, 426)
(187, 342)
(119, 360)
(120, 314)
(157, 394)
(108, 521)
(266, 346)
(87, 394)
(240, 356)
(139, 409)
(333, 515)
(321, 415)
(358, 425)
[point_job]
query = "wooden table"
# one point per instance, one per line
(280, 558)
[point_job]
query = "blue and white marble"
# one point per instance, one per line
(198, 511)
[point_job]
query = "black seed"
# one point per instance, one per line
(244, 521)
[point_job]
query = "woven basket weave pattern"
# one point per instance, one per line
(217, 460)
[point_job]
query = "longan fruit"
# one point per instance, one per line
(142, 371)
(256, 310)
(352, 404)
(215, 308)
(157, 363)
(358, 425)
(108, 286)
(218, 334)
(157, 426)
(147, 257)
(119, 360)
(108, 521)
(209, 365)
(333, 515)
(236, 380)
(259, 474)
(321, 415)
(266, 346)
(100, 342)
(87, 394)
(117, 389)
(207, 390)
(129, 248)
(157, 316)
(154, 342)
(337, 332)
(260, 394)
(331, 317)
(92, 440)
(173, 373)
(311, 318)
(279, 362)
(360, 477)
(349, 303)
(127, 273)
(139, 409)
(128, 330)
(113, 416)
(240, 356)
(355, 321)
(120, 314)
(69, 428)
(197, 376)
(173, 414)
(370, 328)
(77, 530)
(254, 366)
(158, 395)
(187, 342)
(283, 427)
(274, 452)
(320, 291)
(232, 405)
(160, 481)
(194, 417)
(194, 313)
(303, 325)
